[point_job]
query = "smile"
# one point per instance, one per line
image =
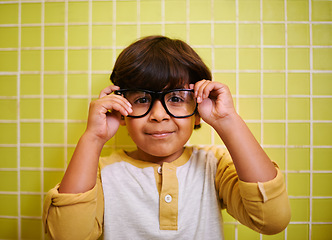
(159, 134)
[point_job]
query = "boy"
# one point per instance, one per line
(164, 190)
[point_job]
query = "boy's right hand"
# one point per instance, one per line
(105, 114)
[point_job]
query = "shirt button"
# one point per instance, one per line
(168, 198)
(159, 170)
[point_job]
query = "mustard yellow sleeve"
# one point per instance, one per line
(263, 207)
(74, 216)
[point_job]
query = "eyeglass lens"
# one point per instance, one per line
(179, 103)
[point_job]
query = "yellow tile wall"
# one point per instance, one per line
(276, 56)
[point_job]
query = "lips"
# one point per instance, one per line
(160, 134)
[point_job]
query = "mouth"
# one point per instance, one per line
(160, 134)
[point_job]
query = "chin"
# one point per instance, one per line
(160, 154)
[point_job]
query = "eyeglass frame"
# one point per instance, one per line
(161, 97)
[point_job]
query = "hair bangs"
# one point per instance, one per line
(159, 71)
(158, 63)
(165, 72)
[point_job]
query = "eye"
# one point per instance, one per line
(142, 100)
(175, 99)
(138, 97)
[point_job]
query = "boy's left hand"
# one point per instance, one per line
(214, 101)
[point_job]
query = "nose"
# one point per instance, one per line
(158, 112)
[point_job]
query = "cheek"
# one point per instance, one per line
(188, 125)
(131, 127)
(131, 130)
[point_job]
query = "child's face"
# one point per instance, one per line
(158, 136)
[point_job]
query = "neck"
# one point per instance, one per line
(143, 156)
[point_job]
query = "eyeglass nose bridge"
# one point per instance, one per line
(161, 97)
(157, 95)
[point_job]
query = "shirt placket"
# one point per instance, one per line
(168, 200)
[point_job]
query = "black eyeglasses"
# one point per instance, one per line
(178, 103)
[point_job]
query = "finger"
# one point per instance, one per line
(209, 89)
(119, 108)
(197, 86)
(206, 89)
(108, 90)
(114, 108)
(200, 90)
(110, 103)
(118, 103)
(119, 97)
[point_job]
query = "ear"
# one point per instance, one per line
(122, 121)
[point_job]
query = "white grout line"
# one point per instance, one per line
(225, 223)
(18, 120)
(42, 41)
(236, 227)
(286, 102)
(196, 46)
(167, 22)
(138, 22)
(311, 123)
(237, 68)
(163, 11)
(108, 146)
(90, 50)
(114, 32)
(212, 58)
(261, 73)
(107, 72)
(54, 145)
(187, 21)
(66, 87)
(261, 77)
(96, 96)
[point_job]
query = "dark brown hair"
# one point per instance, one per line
(158, 63)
